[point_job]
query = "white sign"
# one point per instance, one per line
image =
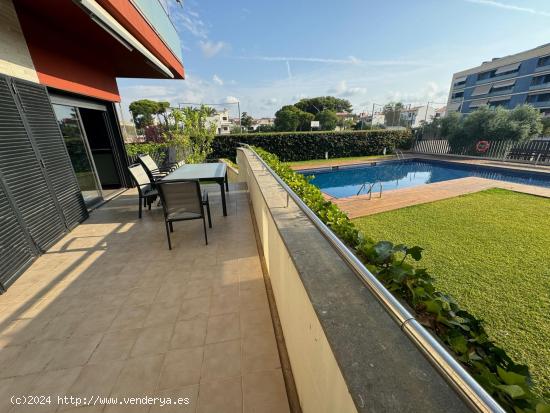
(315, 124)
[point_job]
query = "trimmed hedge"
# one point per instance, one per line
(303, 146)
(394, 265)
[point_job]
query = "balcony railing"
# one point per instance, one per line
(157, 16)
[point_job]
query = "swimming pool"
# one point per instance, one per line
(349, 180)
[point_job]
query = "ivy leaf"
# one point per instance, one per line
(512, 390)
(543, 408)
(384, 250)
(459, 344)
(415, 252)
(510, 377)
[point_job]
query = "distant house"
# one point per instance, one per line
(221, 121)
(414, 116)
(262, 122)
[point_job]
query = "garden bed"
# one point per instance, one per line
(490, 251)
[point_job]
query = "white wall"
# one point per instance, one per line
(15, 59)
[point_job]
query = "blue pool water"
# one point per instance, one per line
(347, 181)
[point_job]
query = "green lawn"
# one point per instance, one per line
(491, 251)
(357, 159)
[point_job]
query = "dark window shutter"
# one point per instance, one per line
(15, 249)
(24, 176)
(38, 112)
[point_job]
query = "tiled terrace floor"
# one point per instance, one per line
(109, 311)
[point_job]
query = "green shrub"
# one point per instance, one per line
(302, 146)
(157, 151)
(508, 382)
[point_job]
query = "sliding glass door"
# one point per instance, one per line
(69, 122)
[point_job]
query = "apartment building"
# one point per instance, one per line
(61, 144)
(507, 81)
(221, 121)
(414, 116)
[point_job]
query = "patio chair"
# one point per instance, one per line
(146, 190)
(153, 170)
(183, 201)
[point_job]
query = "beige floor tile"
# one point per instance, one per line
(73, 352)
(50, 384)
(130, 317)
(115, 345)
(153, 340)
(221, 396)
(253, 299)
(14, 386)
(195, 307)
(181, 368)
(259, 353)
(221, 360)
(96, 322)
(223, 328)
(139, 376)
(32, 359)
(264, 392)
(224, 304)
(256, 322)
(95, 379)
(162, 313)
(189, 333)
(183, 399)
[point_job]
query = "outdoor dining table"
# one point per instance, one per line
(203, 172)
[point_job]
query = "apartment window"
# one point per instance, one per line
(225, 128)
(544, 61)
(501, 71)
(541, 97)
(224, 118)
(497, 103)
(457, 95)
(460, 81)
(503, 86)
(540, 80)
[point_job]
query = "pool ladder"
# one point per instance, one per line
(371, 187)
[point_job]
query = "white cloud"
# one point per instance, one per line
(511, 7)
(343, 90)
(230, 99)
(351, 60)
(217, 80)
(431, 92)
(210, 48)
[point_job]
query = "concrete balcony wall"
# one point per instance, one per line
(346, 353)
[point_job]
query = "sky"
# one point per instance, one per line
(266, 54)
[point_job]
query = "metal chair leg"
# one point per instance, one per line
(171, 226)
(208, 213)
(140, 207)
(168, 235)
(204, 226)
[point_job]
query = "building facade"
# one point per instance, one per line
(221, 122)
(414, 117)
(61, 144)
(522, 78)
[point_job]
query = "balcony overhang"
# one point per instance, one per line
(82, 47)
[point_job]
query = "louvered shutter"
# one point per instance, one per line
(16, 252)
(38, 112)
(24, 176)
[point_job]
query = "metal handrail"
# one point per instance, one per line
(450, 369)
(371, 187)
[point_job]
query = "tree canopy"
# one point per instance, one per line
(289, 119)
(321, 103)
(143, 111)
(246, 120)
(328, 119)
